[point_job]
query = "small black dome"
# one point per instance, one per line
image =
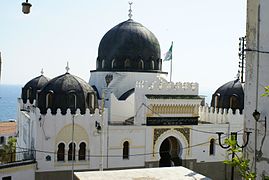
(129, 46)
(67, 91)
(229, 95)
(30, 89)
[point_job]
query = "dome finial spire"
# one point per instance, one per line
(42, 72)
(67, 67)
(130, 10)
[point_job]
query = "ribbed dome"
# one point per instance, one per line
(30, 89)
(67, 91)
(129, 46)
(229, 95)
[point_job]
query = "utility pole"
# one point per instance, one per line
(73, 145)
(101, 168)
(101, 127)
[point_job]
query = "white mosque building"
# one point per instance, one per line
(128, 115)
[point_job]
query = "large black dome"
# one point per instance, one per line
(129, 46)
(229, 95)
(67, 91)
(30, 89)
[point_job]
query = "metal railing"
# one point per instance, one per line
(11, 157)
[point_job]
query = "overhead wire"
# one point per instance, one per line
(138, 154)
(142, 154)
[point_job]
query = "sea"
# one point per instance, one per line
(9, 95)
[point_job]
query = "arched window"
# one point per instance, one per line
(113, 64)
(60, 152)
(141, 64)
(127, 63)
(88, 100)
(160, 64)
(152, 64)
(70, 150)
(49, 99)
(97, 63)
(234, 102)
(217, 98)
(212, 147)
(92, 101)
(72, 100)
(29, 92)
(125, 151)
(103, 63)
(82, 151)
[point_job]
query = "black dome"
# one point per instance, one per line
(30, 89)
(67, 91)
(129, 46)
(229, 95)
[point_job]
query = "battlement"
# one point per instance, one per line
(68, 112)
(26, 106)
(162, 86)
(32, 107)
(220, 116)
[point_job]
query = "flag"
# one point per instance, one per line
(168, 55)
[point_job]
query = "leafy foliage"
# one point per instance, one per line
(238, 160)
(266, 89)
(8, 152)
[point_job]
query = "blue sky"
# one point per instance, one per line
(205, 35)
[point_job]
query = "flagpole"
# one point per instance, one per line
(168, 57)
(171, 63)
(171, 70)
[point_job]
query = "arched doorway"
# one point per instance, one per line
(169, 152)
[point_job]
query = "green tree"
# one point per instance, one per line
(8, 152)
(239, 162)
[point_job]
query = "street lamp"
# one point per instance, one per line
(258, 153)
(234, 137)
(256, 114)
(26, 7)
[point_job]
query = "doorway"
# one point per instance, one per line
(169, 152)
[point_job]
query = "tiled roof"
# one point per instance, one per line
(7, 128)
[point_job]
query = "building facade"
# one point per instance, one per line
(127, 116)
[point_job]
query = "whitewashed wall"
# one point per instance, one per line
(20, 172)
(220, 116)
(160, 86)
(137, 142)
(203, 133)
(51, 126)
(122, 81)
(121, 110)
